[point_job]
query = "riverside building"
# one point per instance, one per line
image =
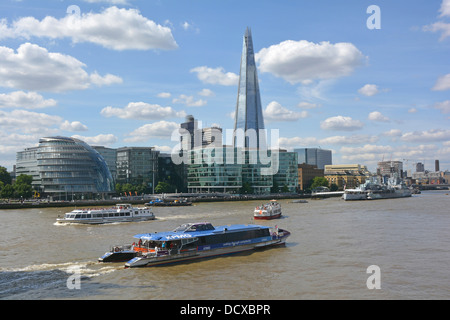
(65, 169)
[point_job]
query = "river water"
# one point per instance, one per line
(333, 242)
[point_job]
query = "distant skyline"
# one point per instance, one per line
(121, 73)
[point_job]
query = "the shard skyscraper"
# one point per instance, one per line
(248, 117)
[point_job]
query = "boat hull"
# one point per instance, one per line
(121, 256)
(102, 221)
(258, 216)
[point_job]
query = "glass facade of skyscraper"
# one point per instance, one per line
(314, 156)
(63, 168)
(248, 114)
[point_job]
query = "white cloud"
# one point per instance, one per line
(432, 135)
(304, 61)
(445, 8)
(26, 100)
(164, 149)
(206, 93)
(106, 80)
(73, 126)
(185, 25)
(443, 106)
(393, 133)
(189, 101)
(125, 2)
(295, 142)
(142, 110)
(162, 129)
(114, 28)
(29, 122)
(369, 90)
(378, 116)
(346, 140)
(99, 140)
(442, 83)
(341, 123)
(216, 76)
(439, 26)
(34, 68)
(308, 105)
(275, 112)
(371, 154)
(164, 95)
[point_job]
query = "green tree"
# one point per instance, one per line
(334, 187)
(164, 187)
(319, 182)
(22, 190)
(5, 177)
(246, 188)
(24, 179)
(7, 191)
(285, 189)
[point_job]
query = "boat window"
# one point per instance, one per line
(122, 214)
(83, 216)
(127, 214)
(117, 214)
(78, 216)
(136, 212)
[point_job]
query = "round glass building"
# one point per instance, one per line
(68, 166)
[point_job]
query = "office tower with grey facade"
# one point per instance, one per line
(314, 156)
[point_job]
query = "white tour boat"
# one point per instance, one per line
(271, 210)
(120, 213)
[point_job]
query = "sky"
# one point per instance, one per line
(369, 80)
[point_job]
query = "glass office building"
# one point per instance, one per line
(248, 114)
(286, 179)
(66, 168)
(314, 156)
(210, 171)
(137, 165)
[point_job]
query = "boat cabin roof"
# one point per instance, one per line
(192, 230)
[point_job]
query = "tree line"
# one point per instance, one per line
(20, 189)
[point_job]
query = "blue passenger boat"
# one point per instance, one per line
(195, 241)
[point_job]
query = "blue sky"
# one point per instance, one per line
(127, 72)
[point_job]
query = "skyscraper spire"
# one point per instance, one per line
(248, 115)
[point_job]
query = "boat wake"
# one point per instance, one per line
(47, 278)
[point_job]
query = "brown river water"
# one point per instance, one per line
(332, 244)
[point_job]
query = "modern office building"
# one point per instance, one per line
(420, 167)
(188, 138)
(287, 176)
(212, 136)
(224, 175)
(66, 168)
(26, 163)
(248, 116)
(137, 165)
(314, 156)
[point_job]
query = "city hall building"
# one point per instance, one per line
(66, 168)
